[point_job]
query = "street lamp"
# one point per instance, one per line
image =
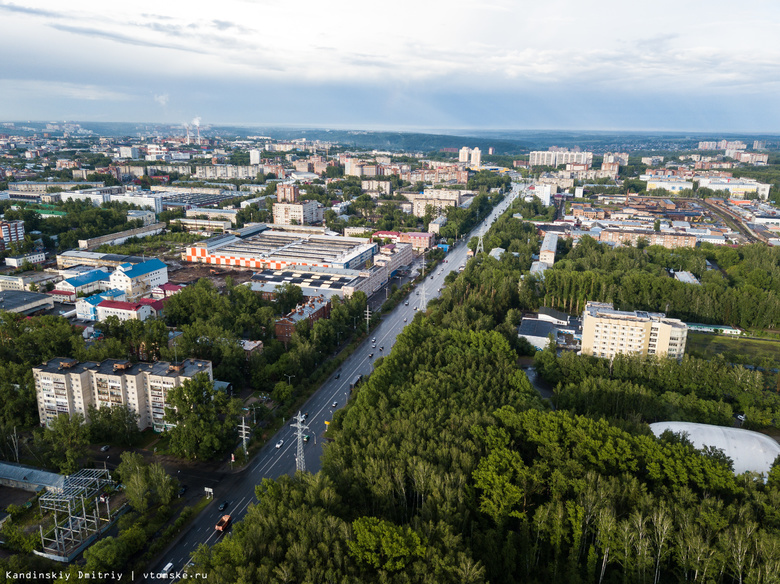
(289, 377)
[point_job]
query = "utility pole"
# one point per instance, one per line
(243, 432)
(300, 426)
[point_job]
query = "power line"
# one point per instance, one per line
(300, 426)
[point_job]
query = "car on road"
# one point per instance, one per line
(338, 375)
(370, 355)
(382, 348)
(306, 437)
(223, 505)
(280, 444)
(373, 345)
(404, 320)
(182, 490)
(406, 303)
(334, 404)
(104, 448)
(306, 415)
(373, 340)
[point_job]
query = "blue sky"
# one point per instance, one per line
(496, 64)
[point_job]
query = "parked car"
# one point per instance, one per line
(104, 448)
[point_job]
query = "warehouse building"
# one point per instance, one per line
(277, 250)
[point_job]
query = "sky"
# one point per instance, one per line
(494, 64)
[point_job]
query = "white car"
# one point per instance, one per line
(280, 444)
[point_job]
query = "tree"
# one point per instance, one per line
(383, 545)
(204, 419)
(69, 437)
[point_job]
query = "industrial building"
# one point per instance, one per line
(122, 236)
(607, 332)
(320, 281)
(271, 249)
(26, 303)
(72, 258)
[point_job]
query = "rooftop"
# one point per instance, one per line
(749, 450)
(88, 278)
(133, 271)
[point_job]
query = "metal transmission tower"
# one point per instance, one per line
(368, 317)
(423, 301)
(243, 431)
(480, 244)
(300, 426)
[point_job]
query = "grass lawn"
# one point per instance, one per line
(735, 350)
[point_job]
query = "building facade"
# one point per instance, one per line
(303, 213)
(607, 332)
(67, 386)
(139, 279)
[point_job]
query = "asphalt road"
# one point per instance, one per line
(271, 462)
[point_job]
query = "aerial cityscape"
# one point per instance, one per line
(443, 294)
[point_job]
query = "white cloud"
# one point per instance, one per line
(38, 88)
(502, 45)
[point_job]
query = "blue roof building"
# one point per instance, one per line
(85, 283)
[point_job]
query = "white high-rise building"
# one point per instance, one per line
(254, 156)
(464, 154)
(476, 158)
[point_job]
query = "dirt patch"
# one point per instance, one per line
(189, 274)
(9, 496)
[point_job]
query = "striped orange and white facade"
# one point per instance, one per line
(201, 255)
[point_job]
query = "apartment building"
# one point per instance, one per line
(667, 239)
(67, 386)
(303, 213)
(314, 309)
(607, 332)
(287, 193)
(549, 247)
(556, 158)
(11, 232)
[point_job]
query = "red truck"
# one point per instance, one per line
(223, 523)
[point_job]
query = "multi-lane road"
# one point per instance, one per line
(239, 489)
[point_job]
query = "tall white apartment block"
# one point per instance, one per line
(556, 158)
(254, 156)
(607, 332)
(67, 386)
(476, 158)
(464, 154)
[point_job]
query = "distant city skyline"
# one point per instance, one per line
(558, 65)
